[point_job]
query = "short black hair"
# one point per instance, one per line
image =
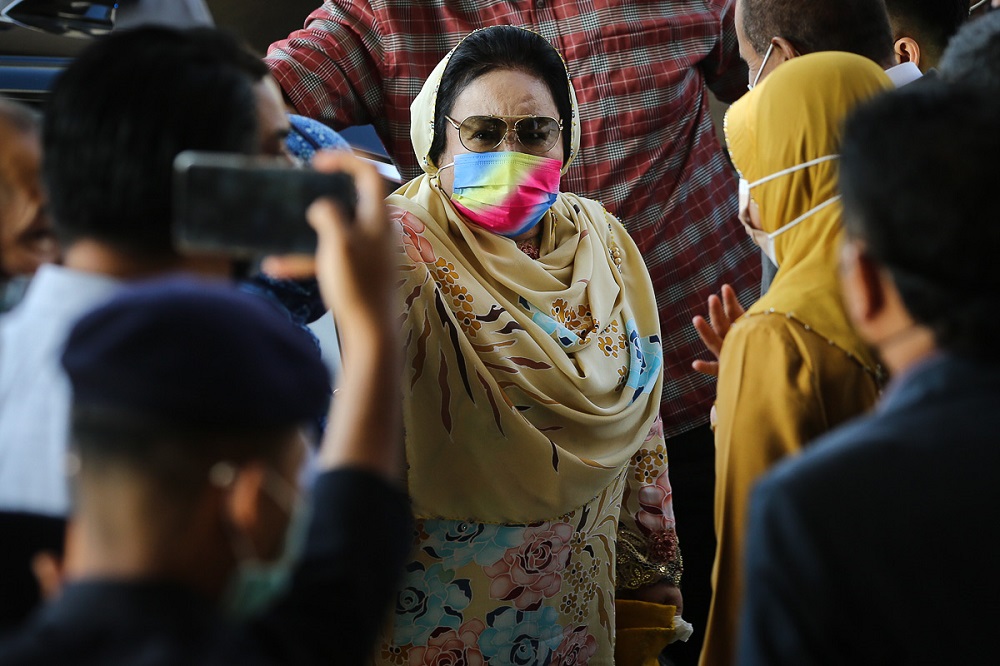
(930, 22)
(119, 115)
(494, 48)
(918, 178)
(853, 26)
(973, 56)
(177, 458)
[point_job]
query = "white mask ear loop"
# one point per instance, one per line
(801, 218)
(763, 63)
(797, 167)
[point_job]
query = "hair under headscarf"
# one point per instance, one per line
(423, 110)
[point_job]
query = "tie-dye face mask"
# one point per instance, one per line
(506, 193)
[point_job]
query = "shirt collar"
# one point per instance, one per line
(903, 74)
(61, 288)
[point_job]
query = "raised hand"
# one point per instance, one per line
(722, 312)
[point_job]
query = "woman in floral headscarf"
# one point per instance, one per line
(533, 379)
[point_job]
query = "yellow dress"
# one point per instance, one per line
(792, 367)
(782, 386)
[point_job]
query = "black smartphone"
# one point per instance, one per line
(246, 206)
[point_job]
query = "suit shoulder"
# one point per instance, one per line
(856, 444)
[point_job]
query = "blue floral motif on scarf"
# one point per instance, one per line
(458, 543)
(429, 599)
(519, 638)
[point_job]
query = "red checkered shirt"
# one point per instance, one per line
(649, 151)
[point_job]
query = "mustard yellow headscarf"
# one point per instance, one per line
(793, 116)
(530, 383)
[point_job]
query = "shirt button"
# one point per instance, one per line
(540, 3)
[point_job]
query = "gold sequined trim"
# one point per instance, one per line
(640, 562)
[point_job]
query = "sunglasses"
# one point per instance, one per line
(481, 134)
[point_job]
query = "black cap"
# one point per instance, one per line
(196, 354)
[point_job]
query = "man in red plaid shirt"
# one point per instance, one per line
(649, 153)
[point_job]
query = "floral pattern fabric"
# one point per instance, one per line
(543, 593)
(510, 595)
(520, 429)
(498, 592)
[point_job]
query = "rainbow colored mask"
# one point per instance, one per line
(506, 193)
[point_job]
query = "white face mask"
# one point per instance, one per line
(763, 239)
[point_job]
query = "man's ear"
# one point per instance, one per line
(49, 572)
(907, 50)
(785, 48)
(243, 487)
(863, 287)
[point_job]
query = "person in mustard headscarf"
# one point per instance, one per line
(792, 367)
(533, 372)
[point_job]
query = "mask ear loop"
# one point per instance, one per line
(222, 475)
(763, 63)
(436, 176)
(797, 167)
(801, 218)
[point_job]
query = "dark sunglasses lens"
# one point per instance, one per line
(481, 134)
(537, 134)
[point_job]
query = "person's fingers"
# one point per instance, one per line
(47, 567)
(367, 182)
(731, 304)
(717, 317)
(289, 266)
(708, 335)
(706, 367)
(328, 219)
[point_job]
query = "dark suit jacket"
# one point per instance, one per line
(881, 543)
(360, 534)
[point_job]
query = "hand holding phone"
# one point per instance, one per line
(356, 261)
(246, 206)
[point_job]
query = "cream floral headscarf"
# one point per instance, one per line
(529, 383)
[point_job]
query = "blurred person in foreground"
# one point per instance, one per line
(26, 238)
(792, 367)
(875, 546)
(533, 374)
(108, 169)
(189, 401)
(973, 56)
